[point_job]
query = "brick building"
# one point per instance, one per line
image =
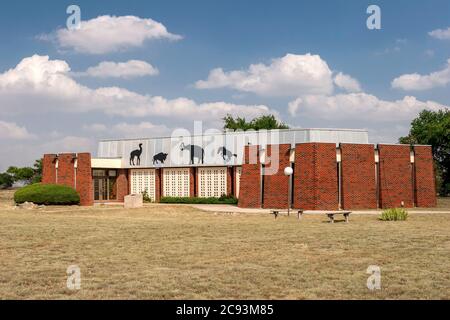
(333, 169)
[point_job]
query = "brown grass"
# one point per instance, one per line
(171, 252)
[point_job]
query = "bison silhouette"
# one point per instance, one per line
(160, 157)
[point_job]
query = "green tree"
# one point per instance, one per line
(433, 128)
(25, 174)
(267, 122)
(37, 168)
(6, 180)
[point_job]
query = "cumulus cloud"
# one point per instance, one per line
(139, 130)
(346, 82)
(291, 75)
(415, 81)
(441, 34)
(38, 84)
(360, 106)
(126, 70)
(10, 130)
(106, 34)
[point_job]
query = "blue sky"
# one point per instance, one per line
(231, 35)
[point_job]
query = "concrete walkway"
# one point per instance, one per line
(234, 209)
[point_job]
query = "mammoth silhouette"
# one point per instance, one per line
(136, 154)
(196, 152)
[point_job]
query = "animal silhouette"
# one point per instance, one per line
(136, 154)
(196, 152)
(226, 154)
(160, 157)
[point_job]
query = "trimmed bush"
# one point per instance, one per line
(47, 194)
(187, 200)
(395, 214)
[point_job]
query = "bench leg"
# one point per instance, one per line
(346, 218)
(331, 216)
(299, 215)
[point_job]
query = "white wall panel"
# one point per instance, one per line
(212, 182)
(176, 182)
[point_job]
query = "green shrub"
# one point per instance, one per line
(395, 214)
(186, 200)
(47, 194)
(146, 197)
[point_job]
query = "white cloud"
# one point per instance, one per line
(293, 106)
(291, 75)
(10, 130)
(38, 84)
(441, 34)
(346, 82)
(360, 106)
(95, 127)
(143, 129)
(106, 34)
(126, 70)
(385, 120)
(415, 81)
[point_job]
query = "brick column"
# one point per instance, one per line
(85, 186)
(158, 187)
(229, 181)
(315, 177)
(425, 185)
(192, 181)
(122, 184)
(276, 186)
(395, 176)
(250, 193)
(358, 176)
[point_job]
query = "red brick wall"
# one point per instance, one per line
(48, 169)
(250, 190)
(85, 186)
(425, 186)
(358, 183)
(315, 177)
(276, 186)
(66, 171)
(122, 184)
(395, 176)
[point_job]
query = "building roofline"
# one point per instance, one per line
(234, 132)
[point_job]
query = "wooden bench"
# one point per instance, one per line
(331, 215)
(276, 213)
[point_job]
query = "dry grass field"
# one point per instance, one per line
(171, 252)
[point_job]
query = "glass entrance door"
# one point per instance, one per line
(105, 185)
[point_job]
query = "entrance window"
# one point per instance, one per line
(105, 185)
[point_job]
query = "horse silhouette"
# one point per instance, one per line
(226, 154)
(196, 152)
(136, 154)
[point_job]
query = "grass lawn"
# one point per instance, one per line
(170, 252)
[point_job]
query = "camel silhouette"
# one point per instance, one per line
(136, 154)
